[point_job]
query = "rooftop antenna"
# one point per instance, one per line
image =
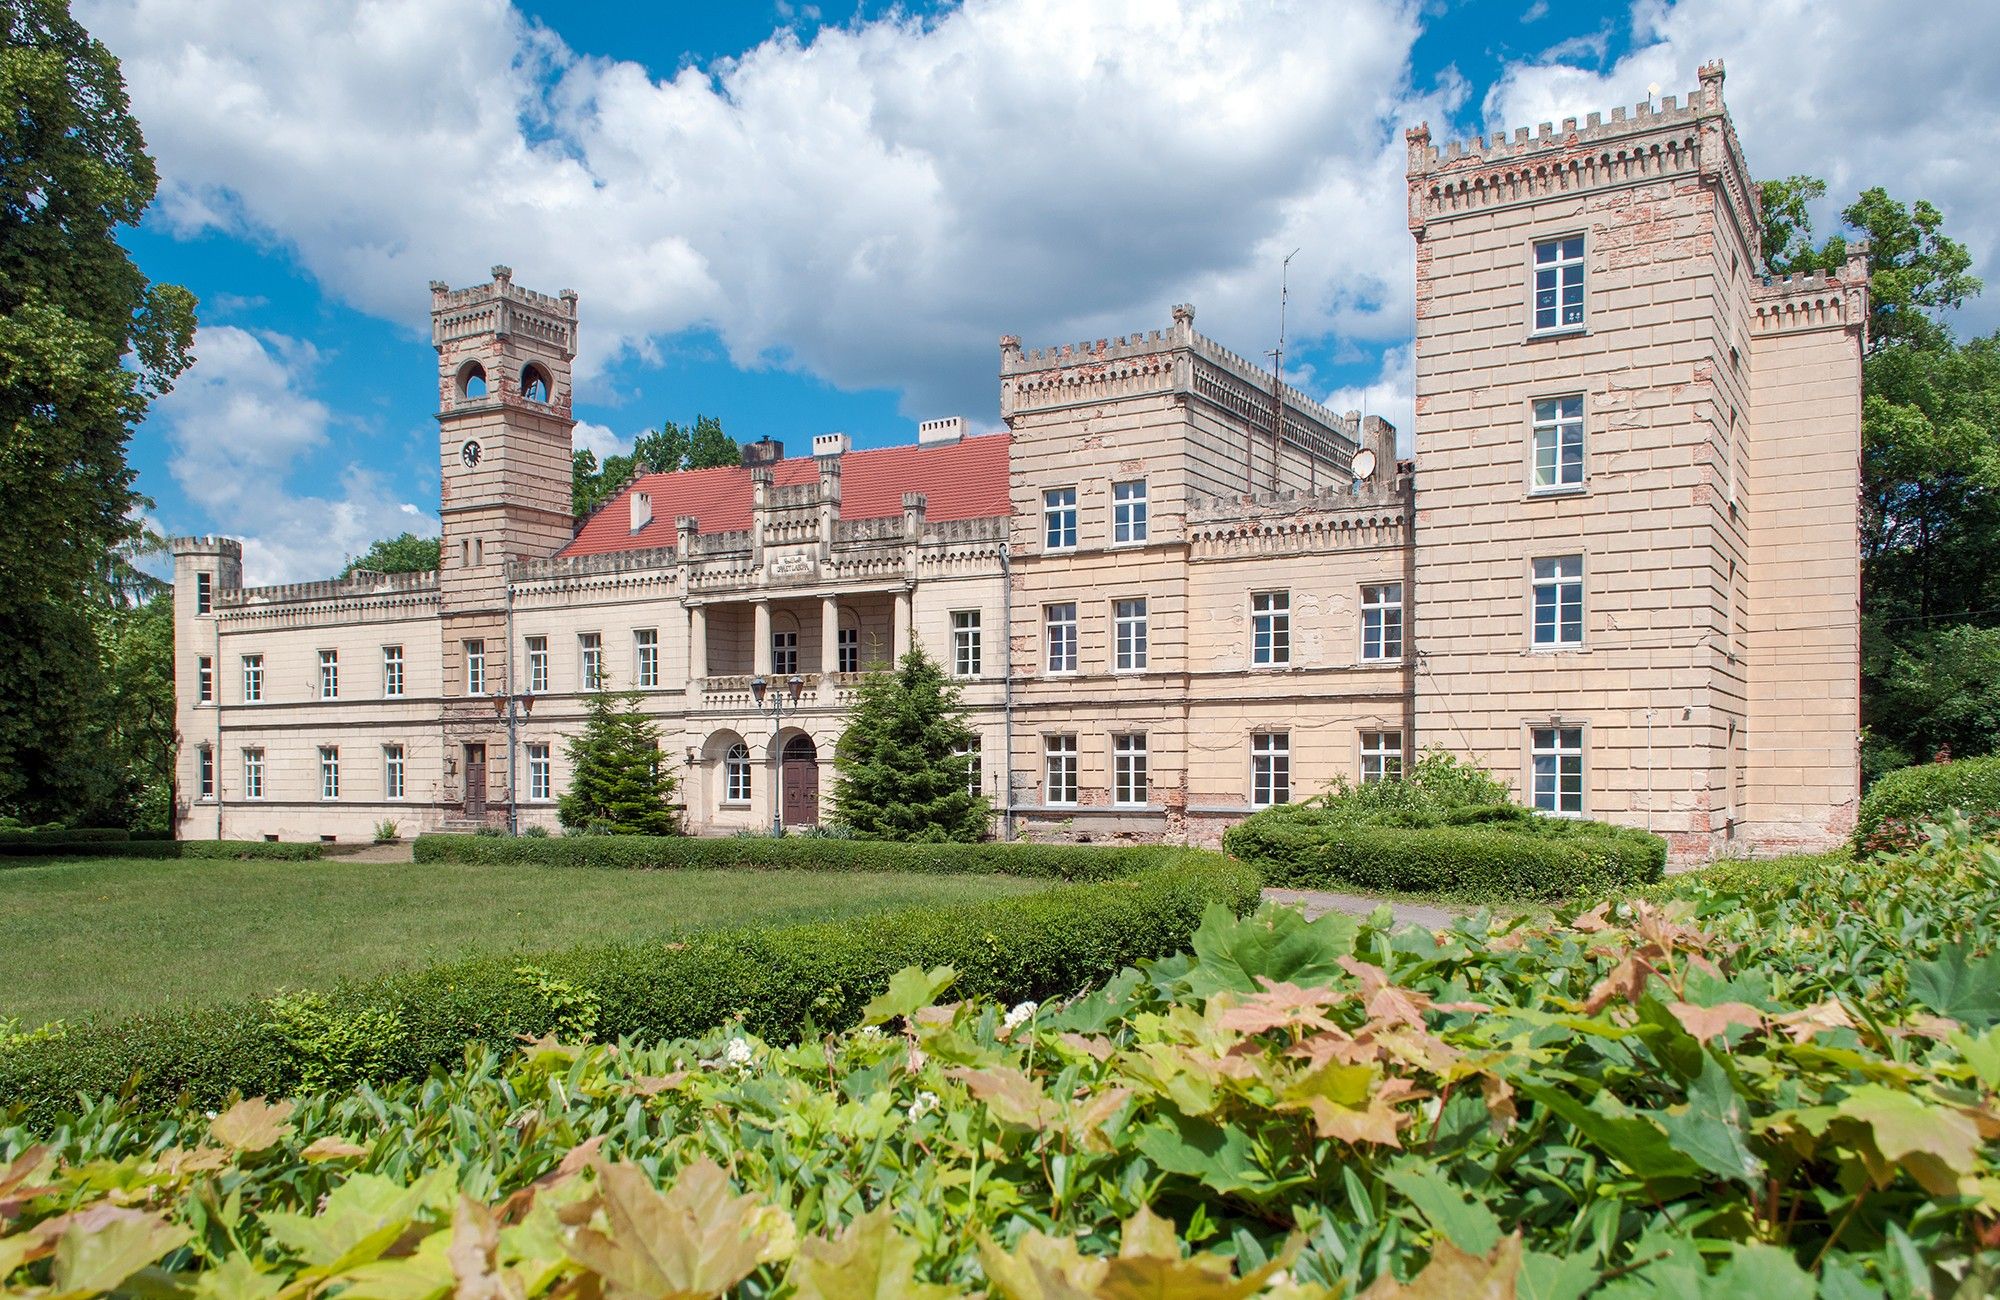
(1278, 373)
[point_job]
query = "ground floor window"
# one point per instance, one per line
(539, 784)
(1270, 768)
(392, 771)
(1381, 756)
(253, 774)
(206, 758)
(1557, 756)
(1059, 766)
(974, 773)
(329, 772)
(1128, 768)
(736, 774)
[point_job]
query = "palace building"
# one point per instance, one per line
(1621, 572)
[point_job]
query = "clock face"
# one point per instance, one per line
(469, 453)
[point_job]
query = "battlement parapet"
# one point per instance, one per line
(735, 541)
(852, 532)
(207, 544)
(1643, 118)
(362, 582)
(951, 532)
(502, 307)
(1372, 497)
(579, 566)
(1815, 299)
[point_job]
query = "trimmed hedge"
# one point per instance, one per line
(780, 981)
(64, 835)
(1905, 799)
(803, 853)
(216, 850)
(1498, 853)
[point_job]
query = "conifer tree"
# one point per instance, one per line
(901, 771)
(620, 783)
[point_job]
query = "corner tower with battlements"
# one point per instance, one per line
(1637, 569)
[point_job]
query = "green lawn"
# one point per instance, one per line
(117, 936)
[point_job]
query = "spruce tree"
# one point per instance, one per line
(620, 784)
(901, 770)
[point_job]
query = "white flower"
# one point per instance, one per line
(925, 1103)
(736, 1052)
(870, 1032)
(1014, 1018)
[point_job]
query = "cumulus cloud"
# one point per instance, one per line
(239, 422)
(1392, 394)
(599, 440)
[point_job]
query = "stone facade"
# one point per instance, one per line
(1622, 572)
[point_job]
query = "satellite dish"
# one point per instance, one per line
(1363, 464)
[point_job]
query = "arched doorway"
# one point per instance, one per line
(801, 782)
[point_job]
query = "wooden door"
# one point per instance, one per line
(475, 780)
(801, 764)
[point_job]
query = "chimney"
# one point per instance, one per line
(830, 444)
(764, 451)
(936, 432)
(642, 510)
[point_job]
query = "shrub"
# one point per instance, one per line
(618, 782)
(1434, 786)
(387, 831)
(778, 981)
(902, 769)
(215, 850)
(1904, 800)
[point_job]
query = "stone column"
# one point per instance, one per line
(697, 643)
(829, 636)
(902, 642)
(760, 641)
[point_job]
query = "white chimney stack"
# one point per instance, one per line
(829, 444)
(642, 510)
(949, 429)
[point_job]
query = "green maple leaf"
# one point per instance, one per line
(695, 1240)
(1957, 986)
(1710, 1130)
(107, 1244)
(911, 989)
(1466, 1222)
(1277, 943)
(869, 1260)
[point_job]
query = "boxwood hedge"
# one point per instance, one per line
(1901, 801)
(1480, 853)
(57, 846)
(779, 981)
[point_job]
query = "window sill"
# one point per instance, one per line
(1563, 332)
(1563, 490)
(1578, 649)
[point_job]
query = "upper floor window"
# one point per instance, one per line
(475, 667)
(784, 654)
(1128, 768)
(1128, 626)
(736, 774)
(392, 772)
(253, 678)
(965, 648)
(329, 674)
(1557, 758)
(1559, 284)
(392, 670)
(204, 676)
(540, 784)
(205, 759)
(1059, 519)
(538, 664)
(204, 593)
(590, 658)
(1558, 611)
(1381, 756)
(1059, 769)
(329, 772)
(535, 385)
(253, 774)
(1128, 511)
(1059, 638)
(1382, 621)
(847, 650)
(1270, 768)
(1558, 439)
(646, 656)
(1271, 628)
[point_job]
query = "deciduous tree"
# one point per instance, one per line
(404, 553)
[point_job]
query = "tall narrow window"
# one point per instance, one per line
(204, 676)
(1382, 621)
(1271, 629)
(329, 674)
(253, 774)
(329, 772)
(540, 784)
(590, 659)
(392, 671)
(1128, 619)
(1270, 768)
(1128, 768)
(1558, 438)
(966, 659)
(205, 761)
(736, 774)
(784, 654)
(1059, 638)
(1381, 756)
(253, 678)
(1557, 756)
(1059, 519)
(969, 755)
(538, 664)
(475, 667)
(204, 593)
(847, 650)
(1559, 284)
(646, 656)
(1128, 511)
(1558, 617)
(1059, 767)
(392, 771)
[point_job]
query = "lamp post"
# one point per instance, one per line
(513, 708)
(759, 689)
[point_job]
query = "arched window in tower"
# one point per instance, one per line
(535, 385)
(472, 380)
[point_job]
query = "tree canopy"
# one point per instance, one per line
(903, 768)
(664, 450)
(404, 553)
(619, 784)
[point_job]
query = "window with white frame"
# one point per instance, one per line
(204, 675)
(969, 755)
(966, 659)
(392, 671)
(1559, 284)
(1059, 638)
(204, 593)
(538, 664)
(847, 650)
(1059, 769)
(329, 674)
(1270, 628)
(590, 660)
(1129, 777)
(1270, 768)
(1557, 759)
(253, 774)
(1128, 630)
(1128, 511)
(1558, 613)
(205, 767)
(784, 654)
(1059, 519)
(736, 774)
(540, 784)
(475, 667)
(392, 772)
(646, 657)
(253, 678)
(1558, 443)
(1382, 621)
(1381, 756)
(329, 772)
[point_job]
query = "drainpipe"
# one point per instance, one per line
(1007, 693)
(507, 681)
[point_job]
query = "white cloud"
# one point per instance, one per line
(240, 421)
(1877, 94)
(599, 440)
(1392, 394)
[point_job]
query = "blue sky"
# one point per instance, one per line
(804, 219)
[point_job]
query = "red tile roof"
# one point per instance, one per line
(961, 480)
